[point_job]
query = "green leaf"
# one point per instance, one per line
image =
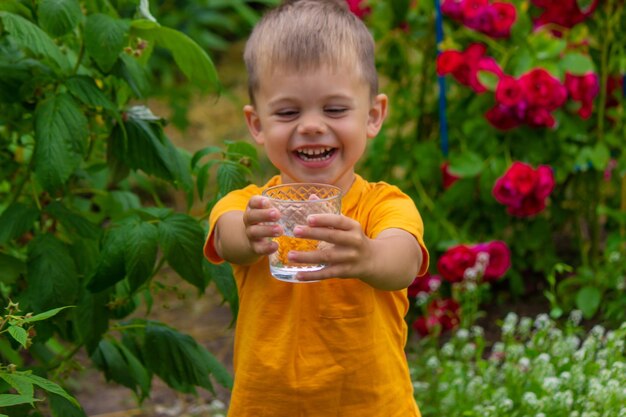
(29, 36)
(588, 301)
(148, 149)
(61, 407)
(73, 222)
(19, 334)
(91, 318)
(179, 360)
(204, 152)
(230, 176)
(488, 79)
(60, 133)
(222, 276)
(105, 37)
(600, 156)
(16, 220)
(135, 75)
(140, 254)
(8, 400)
(142, 377)
(111, 267)
(189, 56)
(576, 63)
(14, 6)
(85, 89)
(53, 281)
(465, 164)
(58, 17)
(182, 239)
(10, 268)
(121, 366)
(45, 315)
(50, 386)
(19, 382)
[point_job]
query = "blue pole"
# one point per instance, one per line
(443, 121)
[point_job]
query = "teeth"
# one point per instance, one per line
(315, 154)
(313, 151)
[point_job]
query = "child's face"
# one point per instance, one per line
(315, 125)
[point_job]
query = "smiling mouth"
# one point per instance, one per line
(315, 154)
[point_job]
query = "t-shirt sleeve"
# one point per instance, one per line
(234, 201)
(392, 209)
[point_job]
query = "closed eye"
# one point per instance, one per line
(286, 114)
(336, 111)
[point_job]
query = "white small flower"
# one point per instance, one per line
(530, 398)
(433, 362)
(462, 334)
(576, 317)
(542, 321)
(477, 331)
(598, 331)
(551, 384)
(524, 363)
(470, 274)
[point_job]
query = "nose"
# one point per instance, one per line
(311, 124)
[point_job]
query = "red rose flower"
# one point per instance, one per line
(499, 259)
(453, 9)
(358, 9)
(523, 189)
(545, 181)
(542, 89)
(506, 14)
(529, 206)
(426, 325)
(448, 61)
(472, 8)
(502, 117)
(515, 184)
(455, 261)
(447, 311)
(583, 88)
(425, 284)
(448, 178)
(508, 91)
(539, 117)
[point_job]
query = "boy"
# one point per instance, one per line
(333, 347)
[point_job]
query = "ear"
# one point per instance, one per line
(254, 124)
(377, 115)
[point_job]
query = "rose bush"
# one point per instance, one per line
(517, 105)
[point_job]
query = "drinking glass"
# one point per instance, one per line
(296, 202)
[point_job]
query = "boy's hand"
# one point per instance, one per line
(259, 221)
(348, 251)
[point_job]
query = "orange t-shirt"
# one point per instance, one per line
(333, 348)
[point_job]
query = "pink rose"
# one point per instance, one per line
(499, 259)
(517, 182)
(502, 117)
(545, 181)
(508, 91)
(455, 261)
(542, 89)
(356, 7)
(425, 284)
(448, 61)
(448, 177)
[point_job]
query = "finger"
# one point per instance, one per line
(262, 231)
(336, 221)
(264, 246)
(255, 216)
(335, 271)
(329, 235)
(259, 202)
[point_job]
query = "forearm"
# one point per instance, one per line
(230, 240)
(396, 258)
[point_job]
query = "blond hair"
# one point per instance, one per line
(303, 35)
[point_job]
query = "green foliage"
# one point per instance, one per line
(583, 225)
(84, 221)
(537, 368)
